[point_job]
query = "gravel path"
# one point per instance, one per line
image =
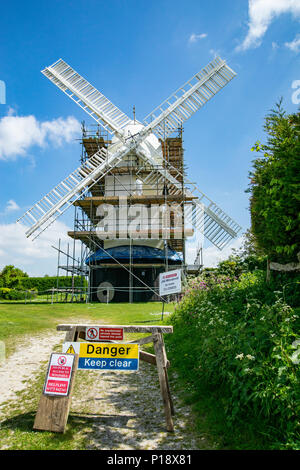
(117, 410)
(24, 363)
(125, 411)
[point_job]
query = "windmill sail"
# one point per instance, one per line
(59, 199)
(169, 115)
(204, 214)
(87, 97)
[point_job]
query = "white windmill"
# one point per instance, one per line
(144, 139)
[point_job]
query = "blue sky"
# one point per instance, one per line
(137, 53)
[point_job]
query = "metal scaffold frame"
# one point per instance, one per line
(94, 138)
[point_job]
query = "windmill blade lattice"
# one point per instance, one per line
(59, 199)
(204, 214)
(168, 116)
(87, 97)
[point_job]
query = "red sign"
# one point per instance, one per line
(59, 374)
(60, 371)
(110, 333)
(104, 334)
(57, 387)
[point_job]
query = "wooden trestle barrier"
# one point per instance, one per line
(52, 413)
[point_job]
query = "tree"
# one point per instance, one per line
(275, 188)
(10, 274)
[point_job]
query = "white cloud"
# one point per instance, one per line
(212, 255)
(19, 133)
(11, 206)
(214, 53)
(36, 257)
(261, 15)
(192, 246)
(196, 37)
(294, 45)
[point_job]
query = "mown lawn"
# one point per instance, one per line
(17, 320)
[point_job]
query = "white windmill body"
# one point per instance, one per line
(135, 165)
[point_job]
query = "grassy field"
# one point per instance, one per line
(17, 320)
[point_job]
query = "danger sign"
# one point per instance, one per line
(59, 374)
(105, 356)
(94, 333)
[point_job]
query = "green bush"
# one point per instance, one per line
(14, 294)
(4, 292)
(43, 284)
(237, 336)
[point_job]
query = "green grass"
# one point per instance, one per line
(16, 431)
(18, 320)
(211, 420)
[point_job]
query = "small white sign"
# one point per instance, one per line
(170, 282)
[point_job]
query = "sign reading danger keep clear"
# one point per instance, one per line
(105, 356)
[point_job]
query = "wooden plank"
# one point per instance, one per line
(141, 341)
(164, 386)
(150, 358)
(156, 233)
(71, 334)
(52, 413)
(90, 202)
(127, 328)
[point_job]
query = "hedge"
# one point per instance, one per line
(237, 339)
(42, 284)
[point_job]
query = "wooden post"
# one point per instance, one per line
(163, 379)
(53, 411)
(268, 271)
(167, 365)
(71, 335)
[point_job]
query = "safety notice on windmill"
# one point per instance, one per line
(170, 282)
(59, 374)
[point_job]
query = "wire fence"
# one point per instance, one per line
(102, 294)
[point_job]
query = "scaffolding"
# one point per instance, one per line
(134, 184)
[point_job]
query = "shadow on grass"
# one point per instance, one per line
(19, 433)
(118, 421)
(24, 422)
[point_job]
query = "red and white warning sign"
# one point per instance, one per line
(96, 333)
(59, 374)
(170, 282)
